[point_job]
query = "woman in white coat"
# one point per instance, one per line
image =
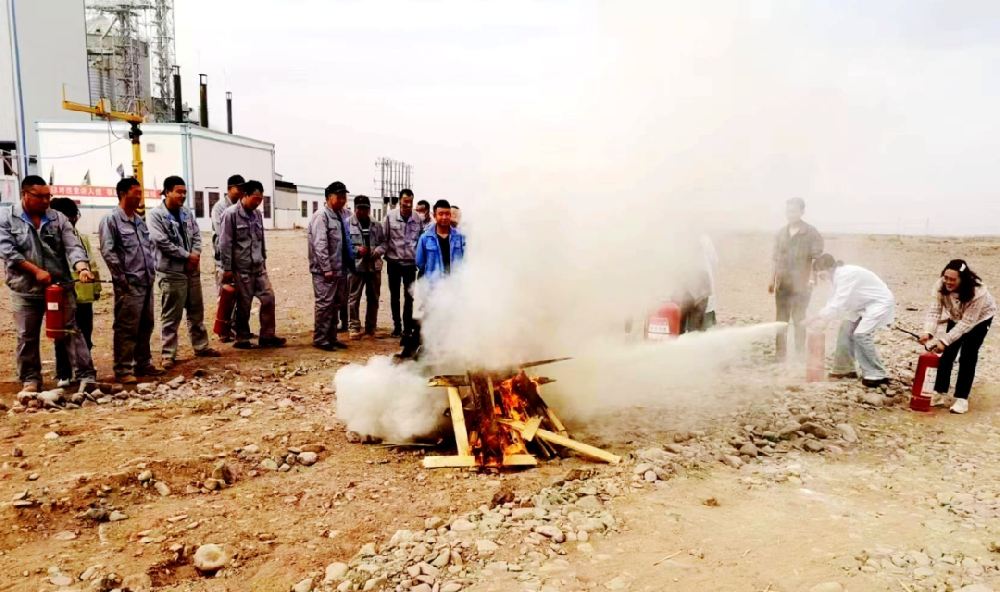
(868, 305)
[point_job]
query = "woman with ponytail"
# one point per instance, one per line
(868, 305)
(970, 308)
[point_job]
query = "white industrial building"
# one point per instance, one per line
(49, 45)
(295, 204)
(43, 46)
(84, 161)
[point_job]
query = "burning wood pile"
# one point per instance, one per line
(501, 420)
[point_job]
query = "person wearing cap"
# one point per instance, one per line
(368, 241)
(244, 264)
(177, 253)
(86, 295)
(234, 193)
(331, 261)
(402, 229)
(39, 249)
(128, 252)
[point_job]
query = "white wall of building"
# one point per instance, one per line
(313, 199)
(205, 159)
(286, 213)
(214, 156)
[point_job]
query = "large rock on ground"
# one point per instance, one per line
(210, 558)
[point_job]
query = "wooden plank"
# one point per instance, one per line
(556, 422)
(520, 460)
(530, 428)
(449, 462)
(565, 442)
(541, 363)
(448, 380)
(458, 421)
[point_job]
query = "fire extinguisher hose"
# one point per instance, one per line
(911, 334)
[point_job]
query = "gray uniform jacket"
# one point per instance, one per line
(127, 249)
(171, 250)
(220, 206)
(53, 247)
(376, 237)
(401, 237)
(326, 242)
(241, 240)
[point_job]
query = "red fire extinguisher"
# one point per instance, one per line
(816, 366)
(918, 400)
(224, 312)
(55, 306)
(664, 322)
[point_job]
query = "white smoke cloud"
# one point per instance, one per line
(388, 401)
(595, 216)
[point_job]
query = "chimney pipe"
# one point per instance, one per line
(203, 80)
(229, 111)
(178, 103)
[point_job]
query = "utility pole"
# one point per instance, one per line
(104, 111)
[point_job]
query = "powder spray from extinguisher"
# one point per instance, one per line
(816, 365)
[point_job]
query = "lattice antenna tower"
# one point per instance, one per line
(163, 65)
(138, 25)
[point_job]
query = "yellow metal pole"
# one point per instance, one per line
(134, 134)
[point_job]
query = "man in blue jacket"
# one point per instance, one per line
(441, 247)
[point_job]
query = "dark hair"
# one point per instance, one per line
(441, 203)
(454, 207)
(250, 187)
(424, 203)
(827, 262)
(968, 280)
(406, 192)
(124, 185)
(235, 180)
(797, 201)
(32, 181)
(172, 181)
(65, 206)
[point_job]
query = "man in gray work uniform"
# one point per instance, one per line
(38, 247)
(128, 252)
(331, 261)
(244, 254)
(177, 253)
(368, 240)
(234, 193)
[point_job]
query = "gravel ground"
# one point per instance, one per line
(238, 475)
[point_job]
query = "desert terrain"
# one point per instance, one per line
(770, 485)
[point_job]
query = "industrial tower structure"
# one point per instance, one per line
(131, 55)
(393, 177)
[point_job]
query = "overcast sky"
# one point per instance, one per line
(880, 113)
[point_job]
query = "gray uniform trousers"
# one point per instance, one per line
(250, 285)
(331, 295)
(371, 283)
(133, 329)
(29, 316)
(179, 293)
